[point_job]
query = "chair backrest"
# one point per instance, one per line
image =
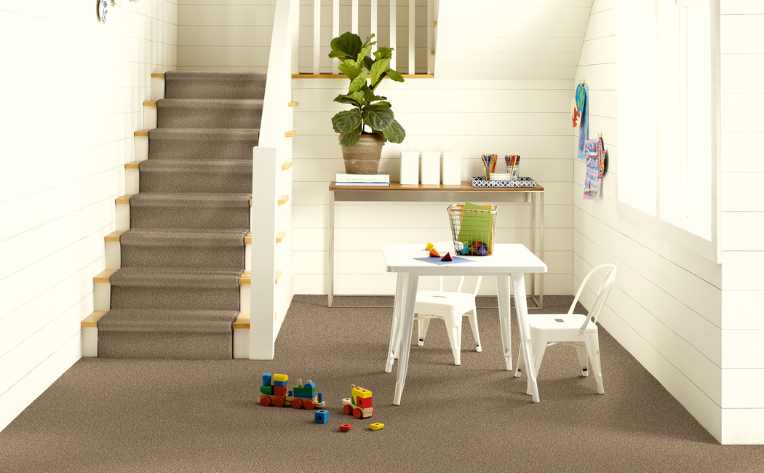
(600, 296)
(475, 290)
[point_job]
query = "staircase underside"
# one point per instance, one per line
(178, 290)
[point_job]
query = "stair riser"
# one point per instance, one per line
(192, 149)
(227, 218)
(213, 117)
(189, 182)
(213, 89)
(183, 257)
(172, 298)
(183, 346)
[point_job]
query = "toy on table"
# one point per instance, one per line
(346, 427)
(321, 416)
(361, 403)
(274, 392)
(447, 257)
(375, 426)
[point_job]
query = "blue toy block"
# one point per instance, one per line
(310, 384)
(281, 383)
(267, 378)
(321, 416)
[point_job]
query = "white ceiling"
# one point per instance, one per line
(510, 39)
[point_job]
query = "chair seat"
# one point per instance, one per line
(559, 322)
(443, 303)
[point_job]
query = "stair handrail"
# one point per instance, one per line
(270, 214)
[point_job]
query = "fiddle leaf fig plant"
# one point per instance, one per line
(371, 113)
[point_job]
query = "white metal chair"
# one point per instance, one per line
(575, 329)
(451, 307)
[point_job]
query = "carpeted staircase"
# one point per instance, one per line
(176, 294)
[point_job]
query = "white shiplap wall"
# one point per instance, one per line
(526, 117)
(742, 98)
(72, 95)
(234, 35)
(666, 308)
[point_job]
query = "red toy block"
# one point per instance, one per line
(447, 257)
(364, 402)
(357, 413)
(265, 400)
(280, 391)
(297, 403)
(308, 404)
(434, 253)
(277, 401)
(345, 427)
(347, 409)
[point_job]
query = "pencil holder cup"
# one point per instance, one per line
(472, 228)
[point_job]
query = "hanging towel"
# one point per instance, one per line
(582, 103)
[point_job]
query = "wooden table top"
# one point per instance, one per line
(465, 186)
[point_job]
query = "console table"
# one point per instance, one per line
(533, 196)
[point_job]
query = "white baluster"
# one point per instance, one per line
(354, 17)
(412, 36)
(316, 36)
(393, 32)
(373, 21)
(335, 24)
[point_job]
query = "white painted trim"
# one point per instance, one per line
(90, 342)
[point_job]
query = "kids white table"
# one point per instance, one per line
(508, 261)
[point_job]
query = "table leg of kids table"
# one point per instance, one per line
(392, 349)
(406, 326)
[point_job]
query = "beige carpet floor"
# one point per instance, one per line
(116, 415)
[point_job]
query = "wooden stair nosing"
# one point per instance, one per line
(91, 321)
(242, 321)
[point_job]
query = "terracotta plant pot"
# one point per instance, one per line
(363, 157)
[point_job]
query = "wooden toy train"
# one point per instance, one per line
(274, 392)
(361, 403)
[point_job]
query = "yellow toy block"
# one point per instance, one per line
(376, 426)
(280, 377)
(361, 393)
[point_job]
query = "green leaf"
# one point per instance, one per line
(359, 96)
(351, 137)
(378, 69)
(370, 97)
(364, 53)
(360, 80)
(395, 75)
(394, 132)
(345, 46)
(346, 99)
(378, 118)
(383, 53)
(350, 68)
(344, 122)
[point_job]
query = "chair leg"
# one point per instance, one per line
(539, 347)
(593, 350)
(520, 363)
(475, 330)
(422, 325)
(583, 363)
(454, 329)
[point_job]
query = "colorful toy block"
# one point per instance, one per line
(346, 427)
(429, 246)
(301, 396)
(376, 426)
(321, 416)
(447, 257)
(361, 403)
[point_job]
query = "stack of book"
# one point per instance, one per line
(362, 179)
